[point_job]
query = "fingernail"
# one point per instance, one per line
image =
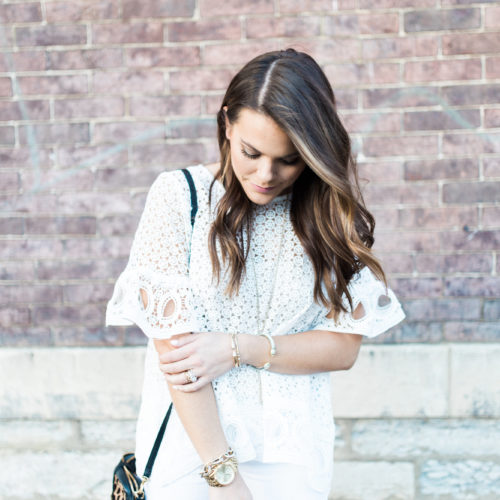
(177, 387)
(174, 342)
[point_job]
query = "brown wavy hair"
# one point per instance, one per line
(327, 209)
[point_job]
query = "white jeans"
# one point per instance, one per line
(266, 481)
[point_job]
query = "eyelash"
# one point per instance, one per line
(254, 157)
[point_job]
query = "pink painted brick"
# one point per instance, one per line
(454, 263)
(492, 17)
(471, 192)
(61, 225)
(34, 248)
(379, 172)
(330, 50)
(211, 8)
(7, 136)
(30, 293)
(81, 10)
(492, 118)
(168, 155)
(85, 156)
(163, 57)
(287, 26)
(212, 29)
(429, 71)
(73, 269)
(10, 316)
(87, 108)
(493, 67)
(34, 36)
(52, 85)
(57, 133)
(401, 97)
(112, 33)
(87, 293)
(372, 122)
(395, 4)
(372, 23)
(5, 87)
(89, 336)
(442, 120)
(471, 144)
(491, 167)
(129, 81)
(471, 94)
(12, 225)
(472, 287)
(385, 217)
(9, 181)
(491, 217)
(400, 47)
(22, 61)
(443, 309)
(165, 105)
(21, 157)
(84, 59)
(397, 263)
(200, 79)
(359, 73)
(88, 314)
(29, 110)
(388, 240)
(442, 19)
(449, 217)
(16, 270)
(239, 53)
(58, 180)
(470, 331)
(92, 202)
(104, 248)
(116, 225)
(402, 194)
(120, 177)
(30, 12)
(471, 43)
(156, 9)
(441, 169)
(304, 5)
(341, 25)
(128, 131)
(212, 103)
(26, 336)
(425, 145)
(466, 240)
(417, 287)
(192, 128)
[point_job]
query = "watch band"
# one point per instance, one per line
(210, 468)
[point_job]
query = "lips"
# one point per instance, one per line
(263, 189)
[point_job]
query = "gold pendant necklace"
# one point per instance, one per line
(261, 325)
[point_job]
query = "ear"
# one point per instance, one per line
(229, 127)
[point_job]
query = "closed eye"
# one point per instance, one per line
(293, 161)
(248, 155)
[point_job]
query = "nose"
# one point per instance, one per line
(265, 173)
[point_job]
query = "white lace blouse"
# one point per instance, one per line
(266, 416)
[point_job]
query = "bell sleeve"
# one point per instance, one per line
(154, 290)
(379, 308)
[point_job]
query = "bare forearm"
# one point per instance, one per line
(302, 353)
(199, 416)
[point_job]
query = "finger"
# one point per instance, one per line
(183, 339)
(174, 355)
(177, 379)
(179, 366)
(193, 386)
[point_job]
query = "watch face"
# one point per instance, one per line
(224, 474)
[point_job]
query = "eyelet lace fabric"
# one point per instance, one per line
(169, 269)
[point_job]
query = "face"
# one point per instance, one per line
(264, 159)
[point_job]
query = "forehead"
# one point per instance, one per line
(263, 133)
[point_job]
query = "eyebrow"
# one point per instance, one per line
(291, 155)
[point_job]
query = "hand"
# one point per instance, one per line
(207, 354)
(237, 490)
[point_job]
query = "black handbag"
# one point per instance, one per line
(127, 485)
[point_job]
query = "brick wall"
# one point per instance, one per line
(98, 97)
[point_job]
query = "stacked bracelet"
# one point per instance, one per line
(272, 351)
(236, 350)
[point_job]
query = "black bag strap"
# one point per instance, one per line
(161, 432)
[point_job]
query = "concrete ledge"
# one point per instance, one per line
(396, 381)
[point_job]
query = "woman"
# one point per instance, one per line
(250, 309)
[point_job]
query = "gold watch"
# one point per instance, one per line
(222, 470)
